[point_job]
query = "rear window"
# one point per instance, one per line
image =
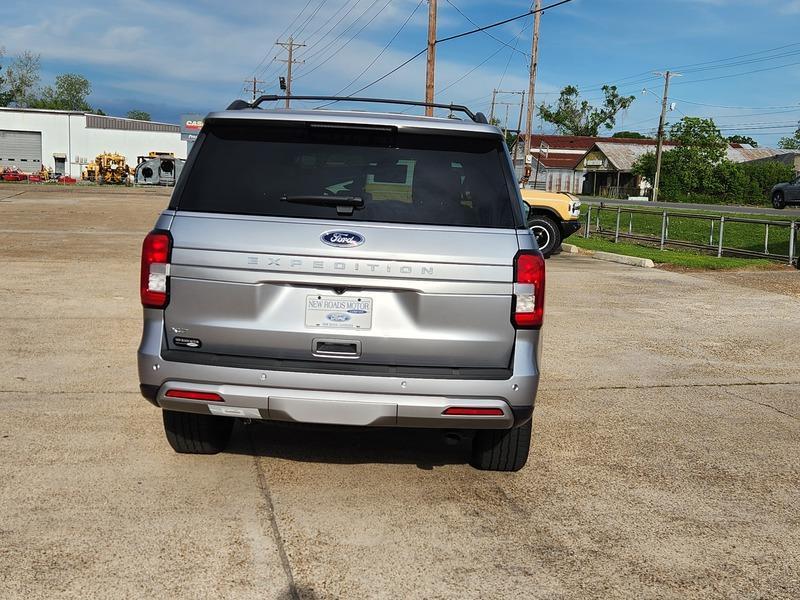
(349, 173)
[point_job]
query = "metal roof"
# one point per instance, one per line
(105, 122)
(741, 154)
(582, 142)
(622, 156)
(95, 121)
(41, 110)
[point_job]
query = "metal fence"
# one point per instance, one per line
(716, 231)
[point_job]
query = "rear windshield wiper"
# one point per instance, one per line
(344, 204)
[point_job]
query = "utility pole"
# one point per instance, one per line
(537, 17)
(506, 104)
(519, 127)
(290, 46)
(660, 144)
(431, 67)
(255, 83)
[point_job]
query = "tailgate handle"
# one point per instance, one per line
(339, 348)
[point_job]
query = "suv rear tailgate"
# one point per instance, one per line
(435, 296)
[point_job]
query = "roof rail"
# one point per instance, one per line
(241, 104)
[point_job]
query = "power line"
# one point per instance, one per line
(472, 70)
(688, 68)
(322, 25)
(503, 22)
(452, 37)
(386, 47)
(738, 63)
(341, 33)
(352, 37)
(309, 19)
(334, 26)
(684, 67)
(269, 51)
(496, 39)
(304, 52)
(397, 68)
(480, 64)
(737, 74)
(796, 106)
(277, 70)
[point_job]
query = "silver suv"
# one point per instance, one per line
(346, 268)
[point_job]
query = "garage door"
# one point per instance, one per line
(21, 149)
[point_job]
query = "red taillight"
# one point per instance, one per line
(190, 395)
(155, 270)
(482, 412)
(528, 290)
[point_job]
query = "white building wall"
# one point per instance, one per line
(66, 133)
(88, 143)
(55, 128)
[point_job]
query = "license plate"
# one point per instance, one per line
(342, 312)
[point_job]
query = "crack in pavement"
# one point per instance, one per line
(665, 386)
(6, 198)
(263, 486)
(764, 404)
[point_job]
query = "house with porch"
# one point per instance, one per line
(557, 162)
(607, 167)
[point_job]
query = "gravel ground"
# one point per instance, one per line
(784, 281)
(665, 461)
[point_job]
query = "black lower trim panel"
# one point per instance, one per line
(149, 391)
(307, 366)
(570, 227)
(522, 414)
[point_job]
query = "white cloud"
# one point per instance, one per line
(167, 52)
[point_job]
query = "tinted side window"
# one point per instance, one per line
(402, 178)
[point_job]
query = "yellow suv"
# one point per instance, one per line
(552, 217)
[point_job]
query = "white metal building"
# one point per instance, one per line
(65, 141)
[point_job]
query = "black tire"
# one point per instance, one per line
(192, 433)
(546, 232)
(778, 201)
(501, 449)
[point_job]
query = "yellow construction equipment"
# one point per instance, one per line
(108, 168)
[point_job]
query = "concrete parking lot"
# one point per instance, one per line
(665, 460)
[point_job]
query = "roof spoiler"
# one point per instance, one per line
(476, 117)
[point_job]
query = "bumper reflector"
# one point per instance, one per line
(478, 412)
(190, 395)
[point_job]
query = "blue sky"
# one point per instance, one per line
(180, 56)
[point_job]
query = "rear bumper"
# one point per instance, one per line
(341, 399)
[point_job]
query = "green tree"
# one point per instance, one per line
(70, 92)
(697, 169)
(764, 174)
(573, 116)
(139, 115)
(791, 143)
(18, 83)
(631, 135)
(3, 92)
(742, 139)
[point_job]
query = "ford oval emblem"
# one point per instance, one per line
(342, 239)
(338, 317)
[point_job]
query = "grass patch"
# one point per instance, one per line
(681, 258)
(742, 236)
